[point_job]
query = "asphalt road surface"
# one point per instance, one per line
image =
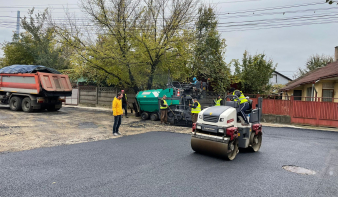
(163, 164)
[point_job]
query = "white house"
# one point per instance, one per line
(278, 78)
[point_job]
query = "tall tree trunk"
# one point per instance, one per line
(151, 77)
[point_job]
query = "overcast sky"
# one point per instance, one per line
(287, 31)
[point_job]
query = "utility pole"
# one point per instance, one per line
(18, 23)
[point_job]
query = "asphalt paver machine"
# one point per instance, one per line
(221, 132)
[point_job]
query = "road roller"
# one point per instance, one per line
(220, 131)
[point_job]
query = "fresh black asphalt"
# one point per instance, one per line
(163, 164)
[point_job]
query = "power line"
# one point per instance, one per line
(282, 26)
(246, 24)
(279, 12)
(234, 2)
(281, 20)
(273, 8)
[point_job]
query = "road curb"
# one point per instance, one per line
(300, 127)
(90, 108)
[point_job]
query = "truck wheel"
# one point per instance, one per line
(26, 105)
(255, 142)
(232, 150)
(144, 116)
(154, 117)
(15, 103)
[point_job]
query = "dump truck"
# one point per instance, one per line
(221, 132)
(32, 87)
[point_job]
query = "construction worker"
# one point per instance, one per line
(195, 80)
(164, 110)
(197, 90)
(118, 113)
(219, 101)
(244, 103)
(195, 109)
(125, 103)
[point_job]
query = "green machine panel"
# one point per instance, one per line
(148, 99)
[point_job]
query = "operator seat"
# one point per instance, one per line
(248, 111)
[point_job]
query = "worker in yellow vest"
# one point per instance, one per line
(195, 109)
(244, 103)
(164, 110)
(219, 101)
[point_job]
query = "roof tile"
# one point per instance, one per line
(331, 70)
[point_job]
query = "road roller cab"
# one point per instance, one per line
(220, 131)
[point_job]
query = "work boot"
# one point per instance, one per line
(115, 134)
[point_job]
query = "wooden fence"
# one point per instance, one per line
(301, 112)
(102, 96)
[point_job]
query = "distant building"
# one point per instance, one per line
(278, 78)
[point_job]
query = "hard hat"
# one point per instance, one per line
(194, 79)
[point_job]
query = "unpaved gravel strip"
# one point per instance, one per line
(23, 131)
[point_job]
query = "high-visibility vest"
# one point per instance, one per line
(242, 98)
(165, 103)
(197, 109)
(125, 95)
(218, 102)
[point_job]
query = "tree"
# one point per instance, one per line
(254, 73)
(132, 41)
(275, 89)
(37, 45)
(314, 62)
(209, 51)
(1, 62)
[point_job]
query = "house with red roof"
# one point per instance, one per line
(319, 83)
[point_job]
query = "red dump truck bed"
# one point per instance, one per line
(35, 83)
(34, 91)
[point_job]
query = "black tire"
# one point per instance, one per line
(145, 116)
(26, 105)
(15, 103)
(154, 117)
(255, 142)
(232, 151)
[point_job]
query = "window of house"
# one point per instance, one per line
(328, 95)
(297, 94)
(309, 94)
